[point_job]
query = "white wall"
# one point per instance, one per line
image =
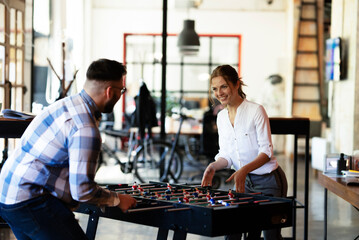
(344, 25)
(264, 33)
(264, 43)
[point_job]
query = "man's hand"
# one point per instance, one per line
(126, 202)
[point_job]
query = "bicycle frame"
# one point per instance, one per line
(166, 172)
(126, 167)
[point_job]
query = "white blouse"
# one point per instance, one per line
(251, 135)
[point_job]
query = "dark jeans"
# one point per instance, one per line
(273, 184)
(40, 218)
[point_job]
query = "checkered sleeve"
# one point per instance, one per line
(84, 147)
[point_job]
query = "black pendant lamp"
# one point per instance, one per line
(188, 40)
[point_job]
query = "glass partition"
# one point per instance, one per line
(187, 77)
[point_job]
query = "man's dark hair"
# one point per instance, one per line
(105, 70)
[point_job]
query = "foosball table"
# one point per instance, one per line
(192, 209)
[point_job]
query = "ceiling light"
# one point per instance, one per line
(188, 40)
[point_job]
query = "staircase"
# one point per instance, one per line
(307, 84)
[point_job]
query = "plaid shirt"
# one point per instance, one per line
(58, 155)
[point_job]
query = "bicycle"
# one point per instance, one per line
(156, 159)
(195, 155)
(146, 159)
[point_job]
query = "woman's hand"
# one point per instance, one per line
(208, 176)
(239, 179)
(126, 202)
(240, 175)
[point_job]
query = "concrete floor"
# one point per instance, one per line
(343, 219)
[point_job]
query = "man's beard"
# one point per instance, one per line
(109, 106)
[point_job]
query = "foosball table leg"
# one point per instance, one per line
(92, 224)
(177, 234)
(162, 234)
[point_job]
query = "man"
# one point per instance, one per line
(53, 168)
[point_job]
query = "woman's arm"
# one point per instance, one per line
(264, 137)
(240, 175)
(211, 170)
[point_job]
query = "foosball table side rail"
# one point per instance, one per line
(202, 221)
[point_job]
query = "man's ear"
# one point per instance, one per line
(108, 92)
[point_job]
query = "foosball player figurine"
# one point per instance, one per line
(167, 196)
(139, 188)
(226, 203)
(195, 194)
(230, 194)
(208, 195)
(158, 195)
(185, 199)
(212, 201)
(184, 191)
(169, 187)
(134, 186)
(152, 196)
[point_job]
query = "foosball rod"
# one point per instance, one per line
(148, 209)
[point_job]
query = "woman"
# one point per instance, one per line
(245, 144)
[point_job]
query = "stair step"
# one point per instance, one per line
(306, 84)
(307, 52)
(309, 3)
(307, 35)
(308, 19)
(306, 100)
(307, 68)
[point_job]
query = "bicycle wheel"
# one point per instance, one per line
(151, 160)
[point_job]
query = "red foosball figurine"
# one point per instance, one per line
(158, 195)
(169, 187)
(230, 194)
(134, 186)
(185, 199)
(139, 188)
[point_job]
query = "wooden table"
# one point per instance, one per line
(11, 128)
(337, 185)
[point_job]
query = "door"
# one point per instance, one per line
(12, 13)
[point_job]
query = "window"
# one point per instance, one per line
(12, 54)
(12, 47)
(186, 76)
